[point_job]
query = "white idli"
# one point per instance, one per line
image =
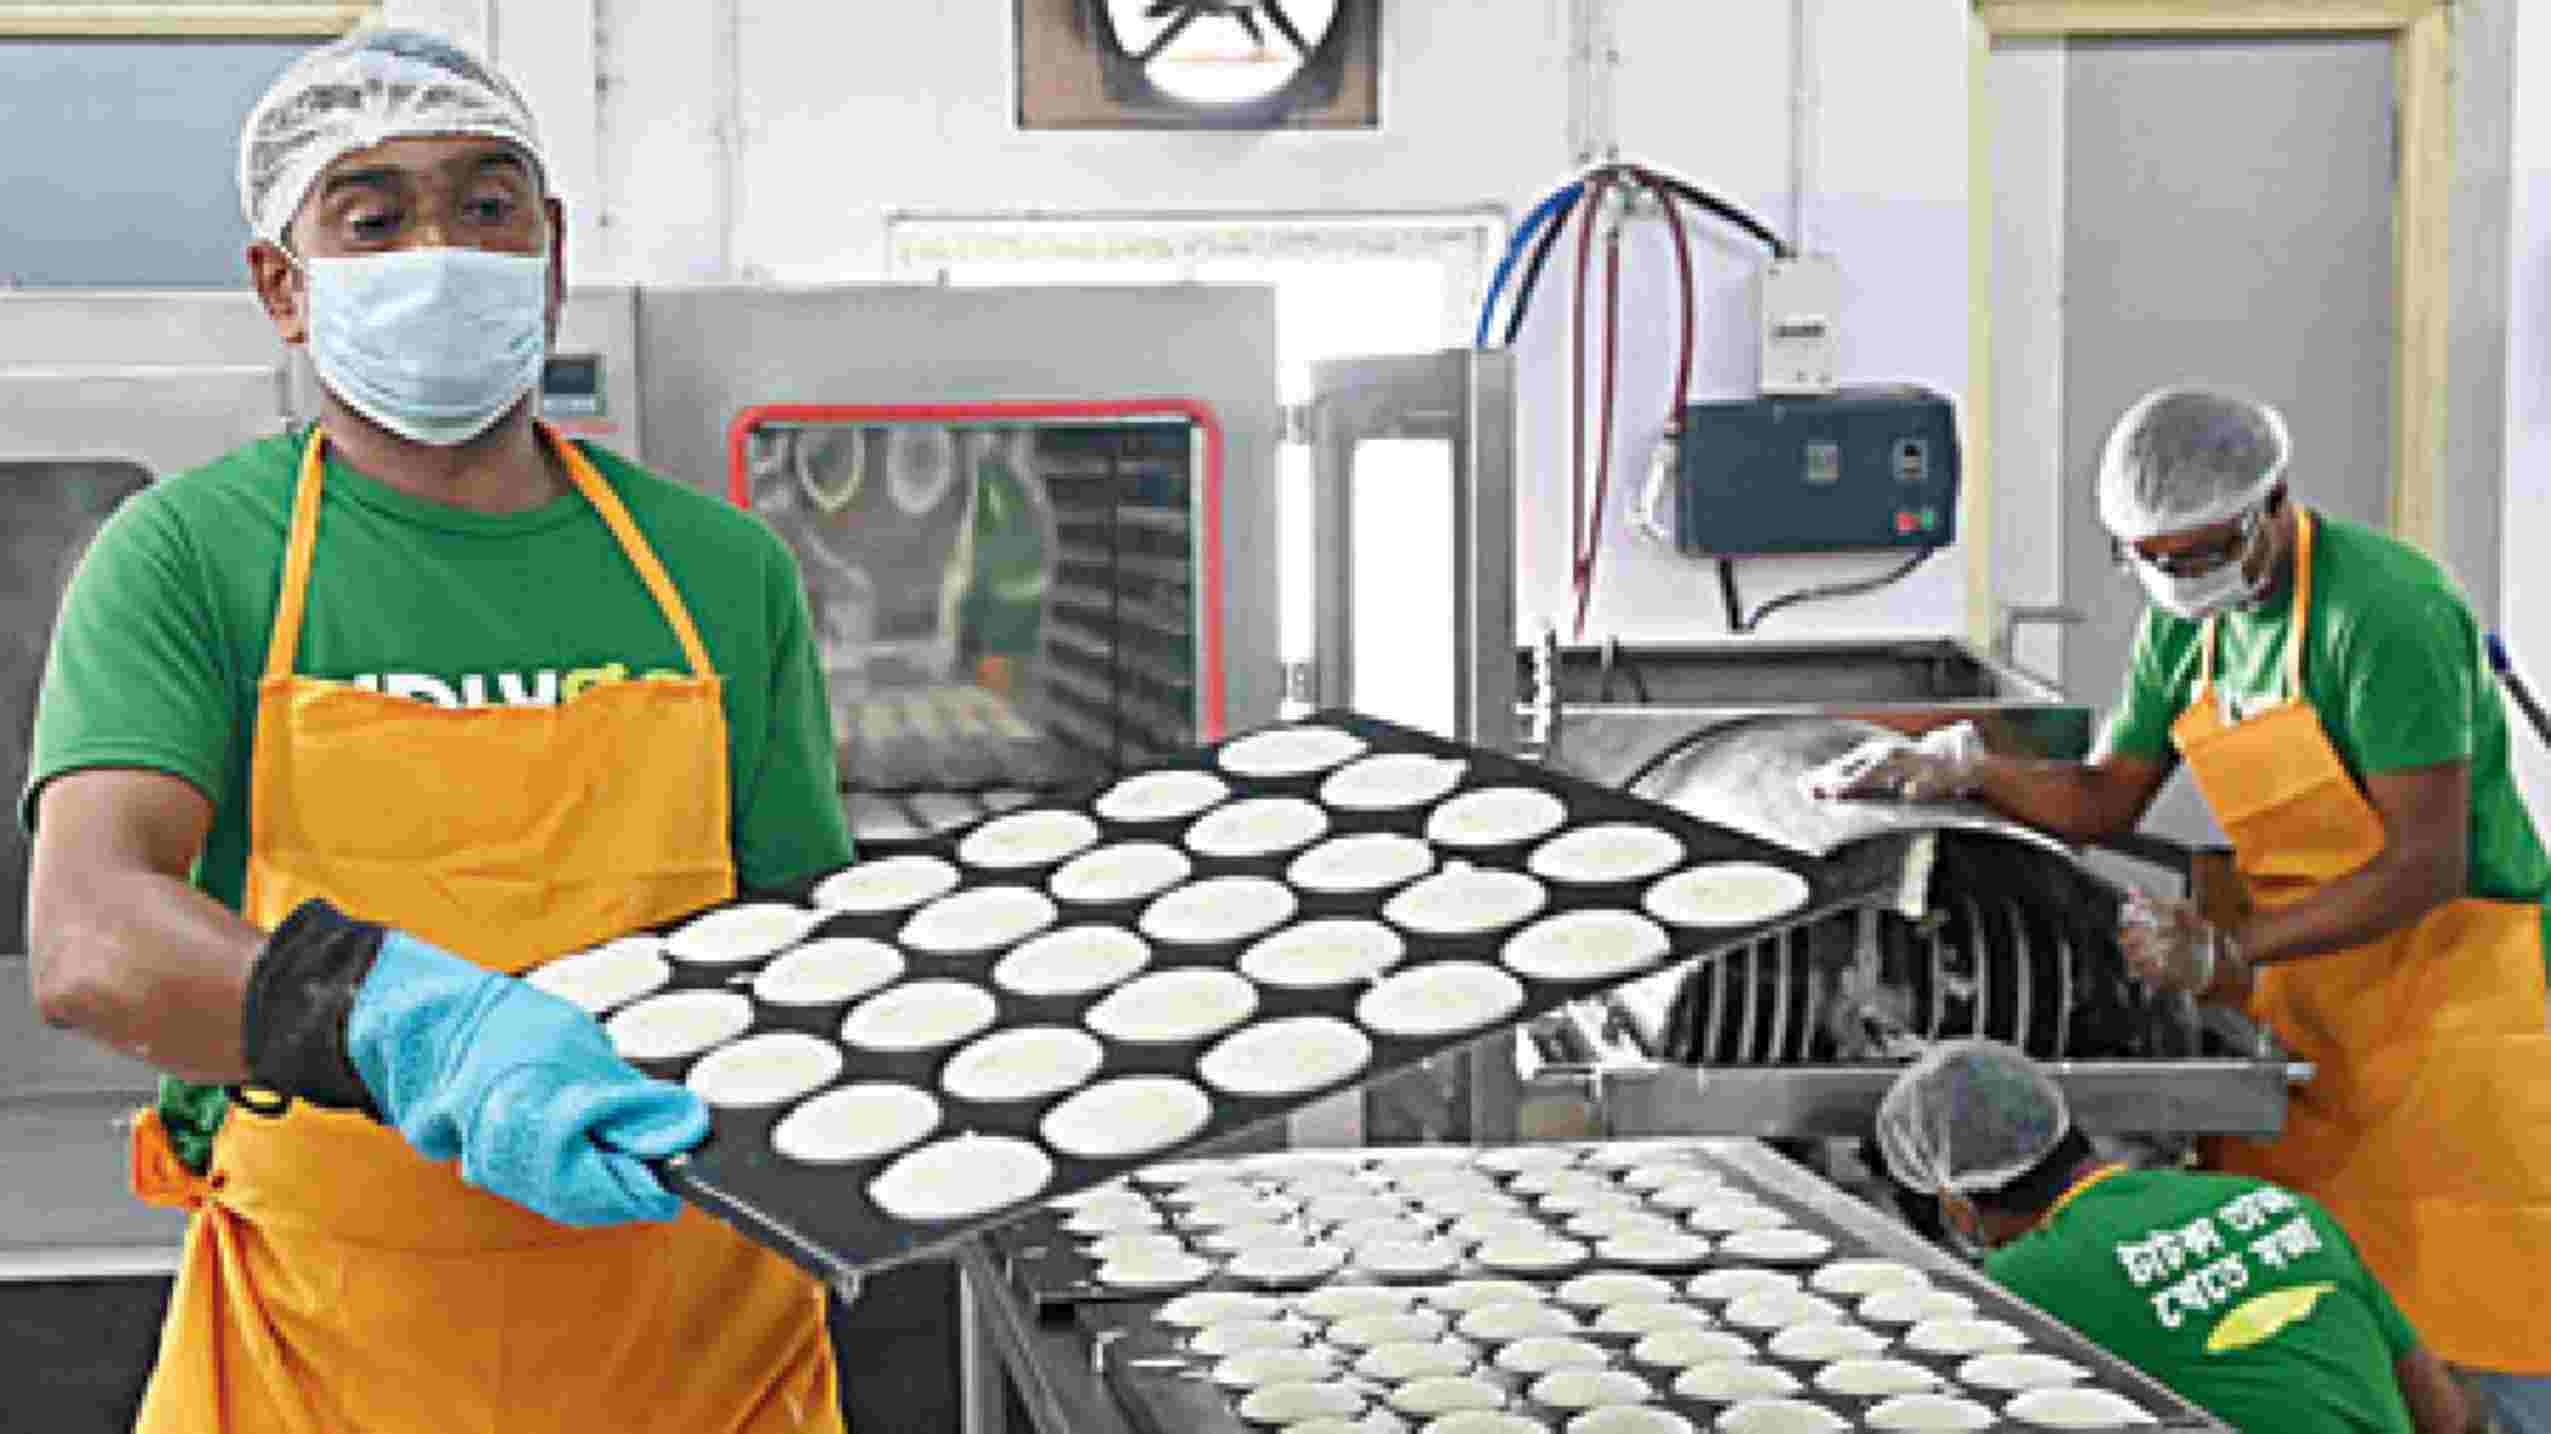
(765, 1069)
(1329, 951)
(1072, 962)
(1594, 945)
(1542, 1353)
(1173, 1006)
(1734, 893)
(1160, 796)
(1289, 751)
(2076, 1408)
(1022, 1063)
(1778, 1416)
(1285, 1057)
(986, 918)
(1126, 1116)
(737, 934)
(828, 972)
(1365, 862)
(1466, 901)
(1126, 871)
(1864, 1376)
(1445, 1393)
(1257, 827)
(1587, 1389)
(1222, 908)
(1445, 998)
(1606, 852)
(1391, 781)
(676, 1024)
(1734, 1381)
(1495, 816)
(918, 1016)
(1025, 839)
(961, 1178)
(1927, 1412)
(1251, 1369)
(1827, 1340)
(612, 974)
(894, 883)
(856, 1122)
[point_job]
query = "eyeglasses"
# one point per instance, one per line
(2191, 562)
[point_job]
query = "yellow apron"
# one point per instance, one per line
(2427, 1130)
(335, 1281)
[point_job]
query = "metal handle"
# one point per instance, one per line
(2014, 616)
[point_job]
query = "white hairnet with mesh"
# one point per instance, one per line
(1969, 1116)
(371, 86)
(2184, 458)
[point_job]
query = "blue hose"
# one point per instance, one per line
(2497, 648)
(1558, 199)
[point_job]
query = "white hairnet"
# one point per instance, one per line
(2184, 458)
(371, 86)
(1969, 1116)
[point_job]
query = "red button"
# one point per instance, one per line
(1904, 522)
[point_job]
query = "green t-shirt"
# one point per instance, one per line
(2244, 1297)
(2395, 669)
(162, 636)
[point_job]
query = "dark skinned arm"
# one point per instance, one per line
(2426, 814)
(2436, 1403)
(122, 947)
(2079, 801)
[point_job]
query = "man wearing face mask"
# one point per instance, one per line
(2325, 684)
(2243, 1297)
(348, 726)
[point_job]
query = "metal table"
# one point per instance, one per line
(1052, 1370)
(1049, 1366)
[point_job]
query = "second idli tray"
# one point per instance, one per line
(827, 1217)
(1183, 1364)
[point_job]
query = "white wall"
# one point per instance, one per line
(2525, 609)
(836, 126)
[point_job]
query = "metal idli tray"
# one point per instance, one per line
(1169, 1387)
(823, 1216)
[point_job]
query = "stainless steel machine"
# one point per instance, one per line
(1996, 930)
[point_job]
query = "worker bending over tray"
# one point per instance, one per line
(2326, 685)
(347, 725)
(2244, 1297)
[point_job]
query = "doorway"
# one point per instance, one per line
(2206, 208)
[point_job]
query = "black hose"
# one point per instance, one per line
(1720, 207)
(1541, 248)
(1827, 590)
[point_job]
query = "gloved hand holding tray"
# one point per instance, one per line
(908, 1051)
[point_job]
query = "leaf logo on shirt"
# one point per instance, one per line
(2257, 1319)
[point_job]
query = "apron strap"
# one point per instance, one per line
(2302, 611)
(615, 515)
(283, 644)
(2303, 525)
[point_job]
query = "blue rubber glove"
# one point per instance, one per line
(522, 1087)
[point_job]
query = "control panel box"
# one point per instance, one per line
(1860, 469)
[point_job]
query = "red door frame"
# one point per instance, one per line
(1210, 716)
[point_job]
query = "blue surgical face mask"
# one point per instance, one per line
(434, 345)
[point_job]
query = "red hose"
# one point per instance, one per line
(1603, 436)
(1683, 271)
(1592, 208)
